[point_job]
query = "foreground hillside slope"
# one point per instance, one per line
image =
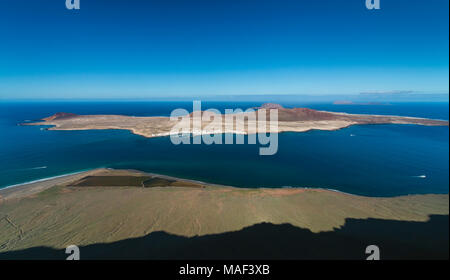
(78, 213)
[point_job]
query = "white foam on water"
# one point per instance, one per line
(42, 180)
(39, 167)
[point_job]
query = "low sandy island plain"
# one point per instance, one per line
(208, 122)
(104, 206)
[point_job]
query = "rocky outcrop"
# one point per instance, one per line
(60, 116)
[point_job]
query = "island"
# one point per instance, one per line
(289, 120)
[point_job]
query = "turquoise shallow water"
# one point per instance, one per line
(374, 160)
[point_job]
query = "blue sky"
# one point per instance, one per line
(137, 48)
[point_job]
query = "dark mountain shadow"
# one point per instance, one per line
(396, 240)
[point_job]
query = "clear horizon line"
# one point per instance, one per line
(365, 93)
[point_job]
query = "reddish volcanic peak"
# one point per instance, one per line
(298, 114)
(304, 114)
(59, 116)
(271, 106)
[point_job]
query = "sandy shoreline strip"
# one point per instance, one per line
(36, 186)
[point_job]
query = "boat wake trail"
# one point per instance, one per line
(35, 168)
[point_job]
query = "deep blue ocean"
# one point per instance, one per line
(372, 160)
